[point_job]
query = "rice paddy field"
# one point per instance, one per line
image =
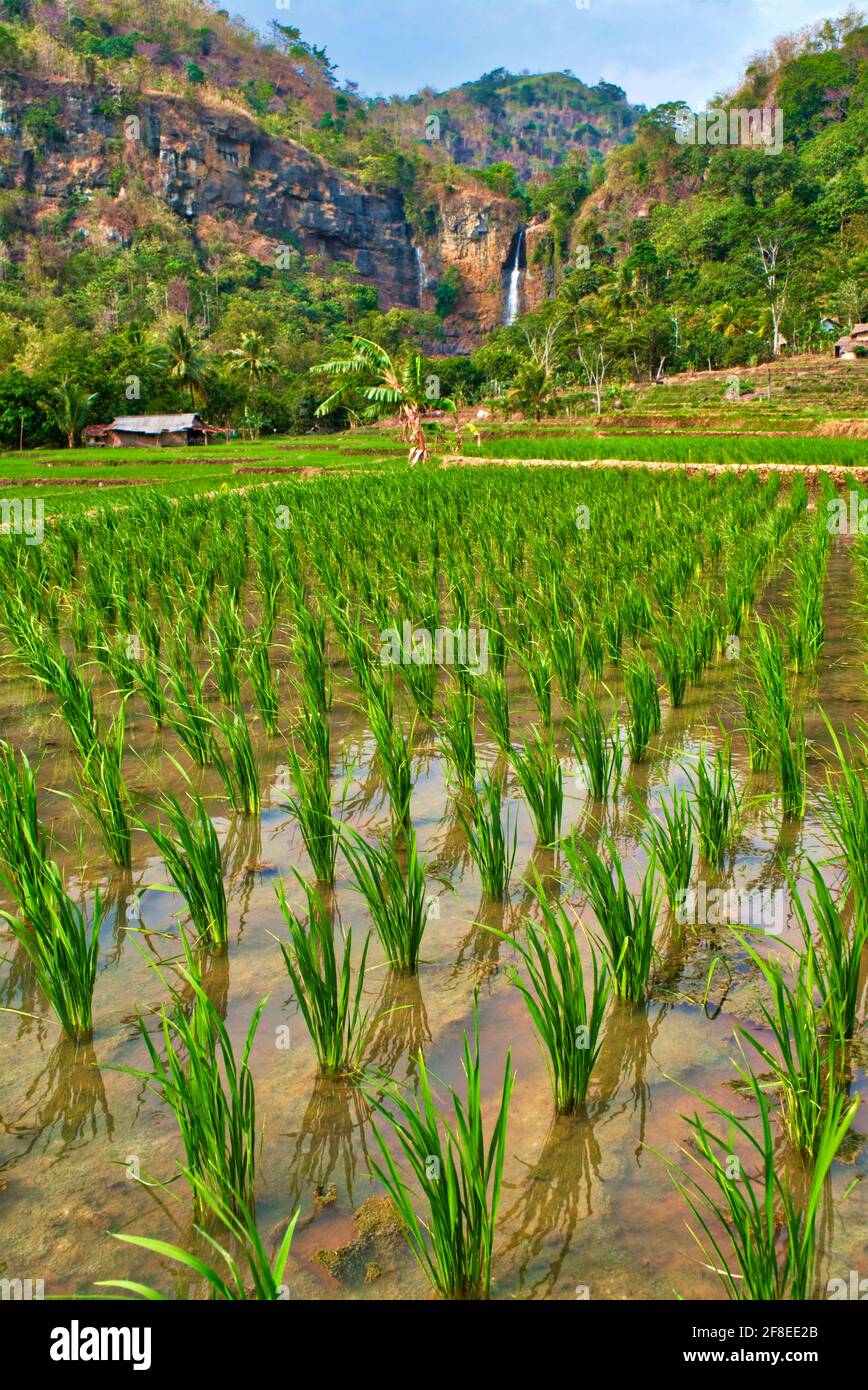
(67, 481)
(746, 450)
(439, 883)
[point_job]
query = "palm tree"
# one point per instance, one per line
(68, 405)
(531, 389)
(252, 358)
(725, 320)
(389, 387)
(181, 359)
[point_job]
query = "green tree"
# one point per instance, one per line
(20, 413)
(447, 292)
(501, 178)
(9, 54)
(807, 86)
(531, 389)
(68, 406)
(384, 387)
(252, 359)
(181, 358)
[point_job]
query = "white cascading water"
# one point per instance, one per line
(421, 274)
(513, 298)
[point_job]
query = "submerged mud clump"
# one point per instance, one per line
(380, 1235)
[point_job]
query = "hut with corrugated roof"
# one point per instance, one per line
(148, 431)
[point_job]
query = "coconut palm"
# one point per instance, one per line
(387, 386)
(732, 322)
(182, 360)
(251, 358)
(68, 405)
(531, 389)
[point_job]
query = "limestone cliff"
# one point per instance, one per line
(204, 160)
(476, 234)
(207, 162)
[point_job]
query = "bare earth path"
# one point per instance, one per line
(808, 470)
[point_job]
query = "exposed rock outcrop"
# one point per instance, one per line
(209, 162)
(475, 234)
(201, 160)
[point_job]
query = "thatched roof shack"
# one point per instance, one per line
(854, 344)
(148, 431)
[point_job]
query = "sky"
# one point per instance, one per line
(657, 50)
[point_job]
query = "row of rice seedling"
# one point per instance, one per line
(758, 1233)
(190, 849)
(240, 1271)
(63, 947)
(540, 774)
(22, 838)
(493, 693)
(313, 809)
(718, 803)
(393, 750)
(846, 814)
(492, 844)
(644, 701)
(671, 843)
(694, 449)
(53, 930)
(598, 746)
(806, 631)
(804, 1064)
(561, 623)
(331, 1006)
(772, 729)
(836, 951)
(103, 793)
(394, 892)
(627, 922)
(459, 1174)
(458, 737)
(209, 1091)
(568, 1024)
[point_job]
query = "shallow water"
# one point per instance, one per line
(587, 1205)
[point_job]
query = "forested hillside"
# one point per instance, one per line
(193, 215)
(534, 123)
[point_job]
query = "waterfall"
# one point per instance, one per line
(513, 298)
(421, 274)
(7, 123)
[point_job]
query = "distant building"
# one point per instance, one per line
(854, 344)
(146, 431)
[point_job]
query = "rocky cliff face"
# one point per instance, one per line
(206, 163)
(538, 283)
(476, 234)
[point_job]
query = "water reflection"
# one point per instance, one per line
(65, 1104)
(628, 1039)
(554, 1196)
(19, 992)
(331, 1142)
(400, 1025)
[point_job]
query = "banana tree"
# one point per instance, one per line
(386, 386)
